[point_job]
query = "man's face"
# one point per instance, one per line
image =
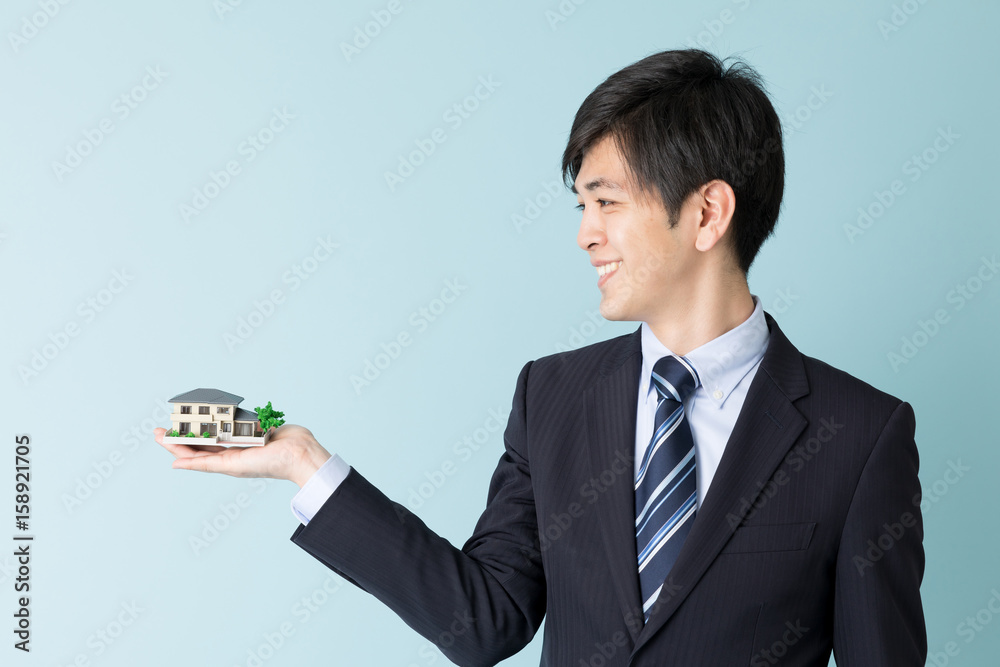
(657, 263)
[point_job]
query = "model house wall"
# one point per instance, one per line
(213, 411)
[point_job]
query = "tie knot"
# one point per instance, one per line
(675, 378)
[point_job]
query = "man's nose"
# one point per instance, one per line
(591, 232)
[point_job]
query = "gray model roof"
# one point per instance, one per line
(206, 395)
(245, 415)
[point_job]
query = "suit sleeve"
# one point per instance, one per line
(479, 604)
(878, 615)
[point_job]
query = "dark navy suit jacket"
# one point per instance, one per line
(810, 538)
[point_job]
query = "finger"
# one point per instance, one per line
(212, 449)
(205, 463)
(183, 451)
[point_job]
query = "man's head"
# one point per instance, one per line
(677, 162)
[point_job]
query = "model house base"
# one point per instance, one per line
(234, 441)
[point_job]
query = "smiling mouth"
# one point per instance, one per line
(605, 271)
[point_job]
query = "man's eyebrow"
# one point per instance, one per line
(600, 182)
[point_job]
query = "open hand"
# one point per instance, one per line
(292, 453)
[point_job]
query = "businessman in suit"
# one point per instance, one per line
(697, 492)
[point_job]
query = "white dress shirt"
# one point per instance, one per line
(725, 365)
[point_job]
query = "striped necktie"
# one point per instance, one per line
(666, 484)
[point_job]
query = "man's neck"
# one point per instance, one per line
(704, 316)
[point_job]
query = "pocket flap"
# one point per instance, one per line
(774, 537)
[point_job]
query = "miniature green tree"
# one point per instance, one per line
(269, 417)
(172, 433)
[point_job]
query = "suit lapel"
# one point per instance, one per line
(610, 408)
(767, 426)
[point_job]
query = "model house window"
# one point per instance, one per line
(226, 427)
(222, 411)
(208, 428)
(244, 429)
(204, 410)
(185, 409)
(185, 428)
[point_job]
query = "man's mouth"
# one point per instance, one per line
(605, 271)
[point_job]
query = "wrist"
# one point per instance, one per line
(311, 458)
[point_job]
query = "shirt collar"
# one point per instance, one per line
(721, 362)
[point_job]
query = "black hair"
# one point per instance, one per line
(681, 119)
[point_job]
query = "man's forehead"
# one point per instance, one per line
(602, 168)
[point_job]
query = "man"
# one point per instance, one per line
(697, 492)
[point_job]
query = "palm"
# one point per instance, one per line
(272, 460)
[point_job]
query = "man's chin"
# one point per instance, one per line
(614, 311)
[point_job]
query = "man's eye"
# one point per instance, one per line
(601, 202)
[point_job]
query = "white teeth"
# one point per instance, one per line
(604, 269)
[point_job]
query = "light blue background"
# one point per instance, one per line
(529, 290)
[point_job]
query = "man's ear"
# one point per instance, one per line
(718, 203)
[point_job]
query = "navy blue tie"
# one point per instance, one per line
(666, 491)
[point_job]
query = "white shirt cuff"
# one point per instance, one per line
(318, 489)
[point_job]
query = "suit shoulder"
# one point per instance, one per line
(852, 389)
(582, 362)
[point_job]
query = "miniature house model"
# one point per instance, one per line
(217, 414)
